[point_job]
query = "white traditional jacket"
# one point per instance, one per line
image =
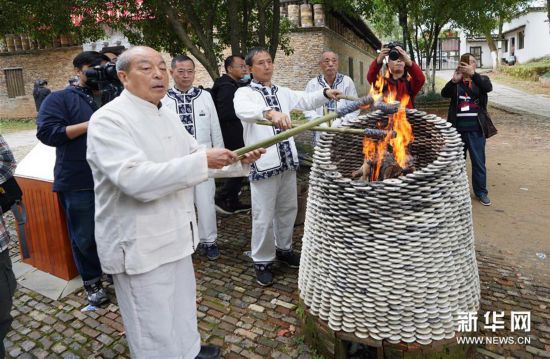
(343, 83)
(144, 165)
(197, 112)
(250, 103)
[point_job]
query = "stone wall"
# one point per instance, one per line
(54, 65)
(296, 69)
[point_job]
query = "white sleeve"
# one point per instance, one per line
(215, 129)
(311, 87)
(301, 100)
(249, 105)
(112, 151)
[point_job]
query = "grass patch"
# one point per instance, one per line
(530, 70)
(8, 125)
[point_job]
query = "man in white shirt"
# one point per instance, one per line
(145, 165)
(330, 78)
(197, 113)
(273, 177)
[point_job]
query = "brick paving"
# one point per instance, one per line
(253, 322)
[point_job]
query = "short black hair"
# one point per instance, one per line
(117, 50)
(90, 58)
(253, 52)
(181, 58)
(229, 60)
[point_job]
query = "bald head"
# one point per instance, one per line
(143, 72)
(329, 65)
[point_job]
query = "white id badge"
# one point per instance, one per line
(465, 108)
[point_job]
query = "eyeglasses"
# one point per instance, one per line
(242, 67)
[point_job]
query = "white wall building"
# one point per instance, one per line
(528, 36)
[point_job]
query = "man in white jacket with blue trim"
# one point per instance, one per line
(273, 177)
(197, 113)
(331, 78)
(145, 165)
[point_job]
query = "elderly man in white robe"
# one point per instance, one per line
(197, 113)
(145, 165)
(330, 78)
(273, 177)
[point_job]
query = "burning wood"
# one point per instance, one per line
(387, 154)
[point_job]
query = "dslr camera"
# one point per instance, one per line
(394, 54)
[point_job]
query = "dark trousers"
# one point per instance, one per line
(79, 209)
(230, 189)
(474, 143)
(7, 290)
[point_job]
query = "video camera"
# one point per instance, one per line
(103, 74)
(105, 79)
(394, 53)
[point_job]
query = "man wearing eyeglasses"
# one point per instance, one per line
(223, 91)
(332, 79)
(198, 114)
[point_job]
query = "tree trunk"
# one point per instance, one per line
(275, 27)
(261, 23)
(206, 58)
(493, 48)
(548, 13)
(234, 27)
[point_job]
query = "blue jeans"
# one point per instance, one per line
(474, 143)
(79, 209)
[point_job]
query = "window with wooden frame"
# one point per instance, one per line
(350, 67)
(14, 81)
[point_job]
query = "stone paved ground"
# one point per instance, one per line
(251, 322)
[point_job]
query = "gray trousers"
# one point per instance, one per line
(274, 207)
(8, 284)
(159, 311)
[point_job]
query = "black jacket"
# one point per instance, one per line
(59, 110)
(223, 92)
(484, 86)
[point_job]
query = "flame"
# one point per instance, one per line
(374, 151)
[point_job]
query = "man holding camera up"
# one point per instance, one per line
(63, 123)
(405, 76)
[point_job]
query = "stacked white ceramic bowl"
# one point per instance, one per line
(394, 259)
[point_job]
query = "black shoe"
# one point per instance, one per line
(209, 352)
(212, 251)
(223, 206)
(264, 277)
(484, 199)
(95, 294)
(288, 257)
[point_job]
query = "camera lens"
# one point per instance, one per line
(394, 54)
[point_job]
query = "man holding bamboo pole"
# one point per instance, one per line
(273, 177)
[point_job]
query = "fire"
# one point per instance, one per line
(375, 150)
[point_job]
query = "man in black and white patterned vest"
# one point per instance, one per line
(273, 177)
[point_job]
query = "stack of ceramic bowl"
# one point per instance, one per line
(393, 259)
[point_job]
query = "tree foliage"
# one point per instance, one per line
(203, 28)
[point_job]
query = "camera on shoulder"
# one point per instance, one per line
(105, 79)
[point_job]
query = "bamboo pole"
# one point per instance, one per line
(342, 111)
(352, 131)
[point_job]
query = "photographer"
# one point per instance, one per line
(467, 113)
(405, 76)
(63, 123)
